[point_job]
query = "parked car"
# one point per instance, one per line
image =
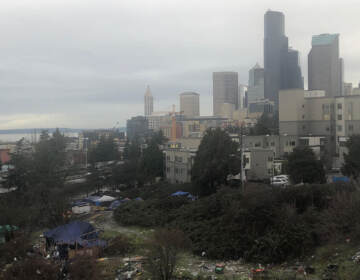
(279, 182)
(283, 176)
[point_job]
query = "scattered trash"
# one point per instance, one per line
(356, 257)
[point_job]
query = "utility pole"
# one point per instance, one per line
(242, 175)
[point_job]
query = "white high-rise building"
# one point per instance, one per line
(148, 102)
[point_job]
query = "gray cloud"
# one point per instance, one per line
(86, 63)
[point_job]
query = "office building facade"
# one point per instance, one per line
(256, 83)
(325, 67)
(225, 91)
(190, 104)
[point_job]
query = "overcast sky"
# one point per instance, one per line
(86, 63)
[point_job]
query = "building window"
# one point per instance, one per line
(272, 144)
(339, 127)
(270, 158)
(339, 117)
(168, 158)
(327, 128)
(293, 143)
(339, 106)
(351, 127)
(168, 169)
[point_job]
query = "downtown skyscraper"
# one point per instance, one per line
(325, 65)
(281, 64)
(225, 93)
(148, 102)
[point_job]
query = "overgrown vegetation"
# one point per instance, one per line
(262, 224)
(163, 252)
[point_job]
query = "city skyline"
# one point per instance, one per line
(83, 73)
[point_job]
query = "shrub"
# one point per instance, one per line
(119, 246)
(84, 268)
(34, 269)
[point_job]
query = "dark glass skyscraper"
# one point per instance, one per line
(281, 65)
(325, 65)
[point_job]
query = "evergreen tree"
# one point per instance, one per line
(303, 166)
(216, 158)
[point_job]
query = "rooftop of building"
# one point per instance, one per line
(324, 39)
(274, 13)
(189, 93)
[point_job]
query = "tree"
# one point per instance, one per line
(216, 158)
(303, 166)
(351, 166)
(141, 166)
(21, 173)
(266, 124)
(105, 150)
(153, 161)
(49, 159)
(164, 249)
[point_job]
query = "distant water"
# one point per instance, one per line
(14, 137)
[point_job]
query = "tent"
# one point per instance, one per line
(180, 193)
(92, 199)
(115, 204)
(105, 198)
(74, 232)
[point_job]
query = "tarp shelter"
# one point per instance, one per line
(72, 233)
(81, 207)
(115, 204)
(92, 199)
(180, 193)
(139, 199)
(106, 198)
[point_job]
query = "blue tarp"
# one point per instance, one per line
(74, 232)
(115, 204)
(180, 193)
(338, 179)
(139, 199)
